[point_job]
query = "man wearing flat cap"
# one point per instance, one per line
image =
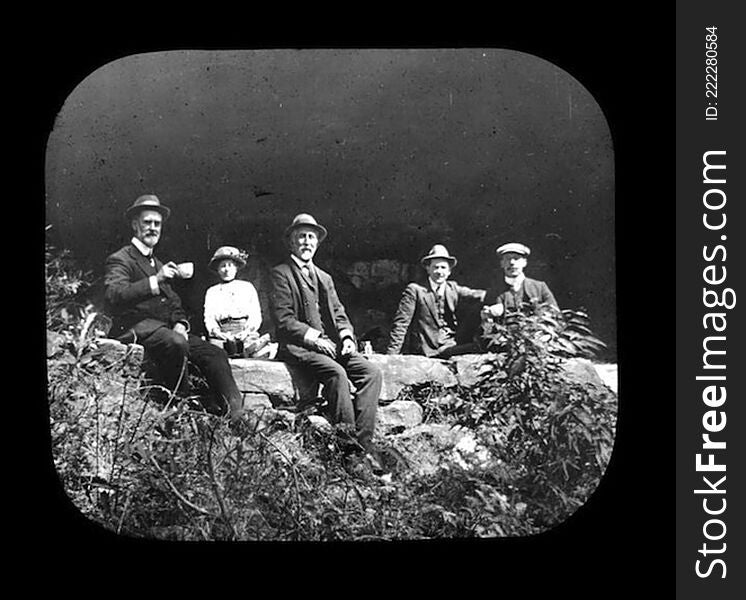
(426, 318)
(314, 332)
(145, 309)
(516, 292)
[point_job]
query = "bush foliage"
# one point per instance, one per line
(537, 446)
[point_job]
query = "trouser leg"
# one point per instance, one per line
(368, 380)
(457, 349)
(212, 361)
(336, 387)
(170, 352)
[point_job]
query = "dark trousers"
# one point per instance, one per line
(457, 349)
(367, 378)
(170, 352)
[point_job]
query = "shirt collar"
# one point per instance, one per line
(515, 282)
(300, 263)
(436, 287)
(144, 250)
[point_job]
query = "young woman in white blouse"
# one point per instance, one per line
(232, 311)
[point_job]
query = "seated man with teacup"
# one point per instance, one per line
(232, 311)
(145, 309)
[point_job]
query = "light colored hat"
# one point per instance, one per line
(147, 202)
(306, 220)
(439, 251)
(227, 252)
(513, 247)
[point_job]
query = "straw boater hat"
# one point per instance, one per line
(306, 220)
(439, 251)
(147, 202)
(227, 252)
(513, 247)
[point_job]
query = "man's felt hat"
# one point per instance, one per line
(147, 202)
(306, 220)
(227, 252)
(513, 247)
(439, 251)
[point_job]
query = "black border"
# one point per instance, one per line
(624, 535)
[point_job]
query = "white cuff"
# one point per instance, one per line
(311, 335)
(154, 285)
(346, 333)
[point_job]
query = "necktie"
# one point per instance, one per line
(439, 299)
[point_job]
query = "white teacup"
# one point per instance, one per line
(186, 270)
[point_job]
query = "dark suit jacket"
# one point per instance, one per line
(535, 293)
(129, 300)
(418, 316)
(290, 297)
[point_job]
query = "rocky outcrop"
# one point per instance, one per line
(608, 374)
(581, 370)
(282, 384)
(399, 415)
(400, 371)
(270, 386)
(285, 385)
(426, 445)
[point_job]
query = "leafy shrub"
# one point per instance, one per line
(553, 435)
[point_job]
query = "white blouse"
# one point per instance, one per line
(234, 299)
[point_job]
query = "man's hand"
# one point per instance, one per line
(167, 271)
(326, 346)
(348, 347)
(496, 310)
(181, 330)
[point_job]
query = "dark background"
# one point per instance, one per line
(623, 539)
(392, 150)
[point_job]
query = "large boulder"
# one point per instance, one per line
(469, 367)
(283, 384)
(581, 370)
(399, 415)
(425, 447)
(400, 371)
(608, 374)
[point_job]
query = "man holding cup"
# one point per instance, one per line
(146, 310)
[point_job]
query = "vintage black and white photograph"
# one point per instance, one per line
(330, 294)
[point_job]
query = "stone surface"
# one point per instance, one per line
(55, 343)
(399, 415)
(581, 370)
(319, 422)
(276, 384)
(468, 367)
(424, 447)
(110, 353)
(283, 384)
(255, 402)
(402, 370)
(608, 374)
(108, 350)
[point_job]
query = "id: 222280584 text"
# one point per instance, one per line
(711, 73)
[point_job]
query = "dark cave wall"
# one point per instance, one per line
(392, 150)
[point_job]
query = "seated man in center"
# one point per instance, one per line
(314, 332)
(427, 313)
